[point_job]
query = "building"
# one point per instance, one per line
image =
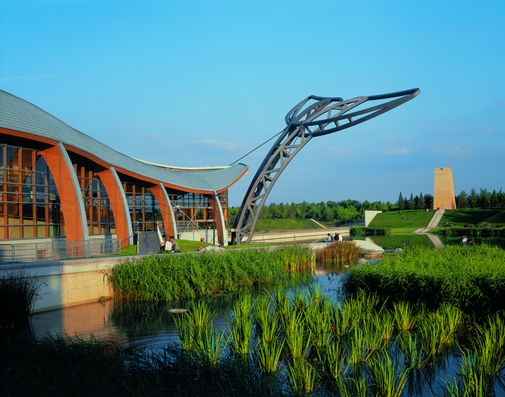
(60, 184)
(443, 196)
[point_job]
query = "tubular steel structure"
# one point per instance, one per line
(314, 116)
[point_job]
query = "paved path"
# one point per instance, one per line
(436, 218)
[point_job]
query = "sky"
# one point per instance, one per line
(201, 83)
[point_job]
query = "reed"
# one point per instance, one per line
(302, 377)
(267, 354)
(168, 277)
(212, 346)
(388, 377)
(472, 279)
(18, 294)
(241, 324)
(341, 252)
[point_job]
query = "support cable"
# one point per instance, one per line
(256, 148)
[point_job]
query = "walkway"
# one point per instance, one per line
(436, 219)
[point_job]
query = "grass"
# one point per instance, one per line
(400, 350)
(341, 252)
(467, 217)
(285, 224)
(167, 277)
(394, 219)
(472, 279)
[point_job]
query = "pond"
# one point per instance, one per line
(149, 325)
(152, 326)
(400, 240)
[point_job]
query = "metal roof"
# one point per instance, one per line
(19, 115)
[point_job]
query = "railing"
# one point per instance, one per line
(58, 250)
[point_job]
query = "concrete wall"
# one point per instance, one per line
(207, 235)
(308, 235)
(67, 283)
(369, 215)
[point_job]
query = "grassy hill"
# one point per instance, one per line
(473, 216)
(395, 219)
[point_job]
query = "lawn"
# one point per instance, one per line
(395, 219)
(474, 216)
(285, 224)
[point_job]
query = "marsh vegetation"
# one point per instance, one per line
(386, 336)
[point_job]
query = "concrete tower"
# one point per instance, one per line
(443, 196)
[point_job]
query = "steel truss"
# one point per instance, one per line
(314, 116)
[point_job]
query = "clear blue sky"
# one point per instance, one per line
(200, 83)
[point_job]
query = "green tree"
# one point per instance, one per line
(291, 211)
(401, 202)
(420, 202)
(328, 214)
(461, 201)
(472, 199)
(272, 210)
(493, 200)
(412, 202)
(428, 200)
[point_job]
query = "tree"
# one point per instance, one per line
(328, 214)
(412, 202)
(314, 211)
(483, 201)
(272, 210)
(420, 202)
(292, 211)
(493, 200)
(472, 199)
(461, 200)
(401, 202)
(428, 200)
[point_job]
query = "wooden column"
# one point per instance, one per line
(119, 204)
(218, 217)
(166, 210)
(72, 204)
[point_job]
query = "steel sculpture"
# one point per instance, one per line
(314, 116)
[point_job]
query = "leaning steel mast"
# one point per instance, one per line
(313, 117)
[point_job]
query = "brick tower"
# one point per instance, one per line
(443, 196)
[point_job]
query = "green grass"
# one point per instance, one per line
(472, 279)
(394, 219)
(128, 251)
(167, 277)
(468, 217)
(285, 224)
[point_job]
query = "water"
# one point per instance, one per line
(148, 325)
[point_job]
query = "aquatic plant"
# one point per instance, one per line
(472, 279)
(167, 277)
(18, 294)
(339, 252)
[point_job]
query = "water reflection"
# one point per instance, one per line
(151, 324)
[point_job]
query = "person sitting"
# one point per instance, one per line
(174, 244)
(337, 237)
(328, 239)
(167, 245)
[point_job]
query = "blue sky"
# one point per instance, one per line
(200, 83)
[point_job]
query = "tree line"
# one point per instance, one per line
(348, 210)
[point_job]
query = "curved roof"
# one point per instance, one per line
(19, 115)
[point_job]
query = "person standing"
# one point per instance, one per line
(464, 242)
